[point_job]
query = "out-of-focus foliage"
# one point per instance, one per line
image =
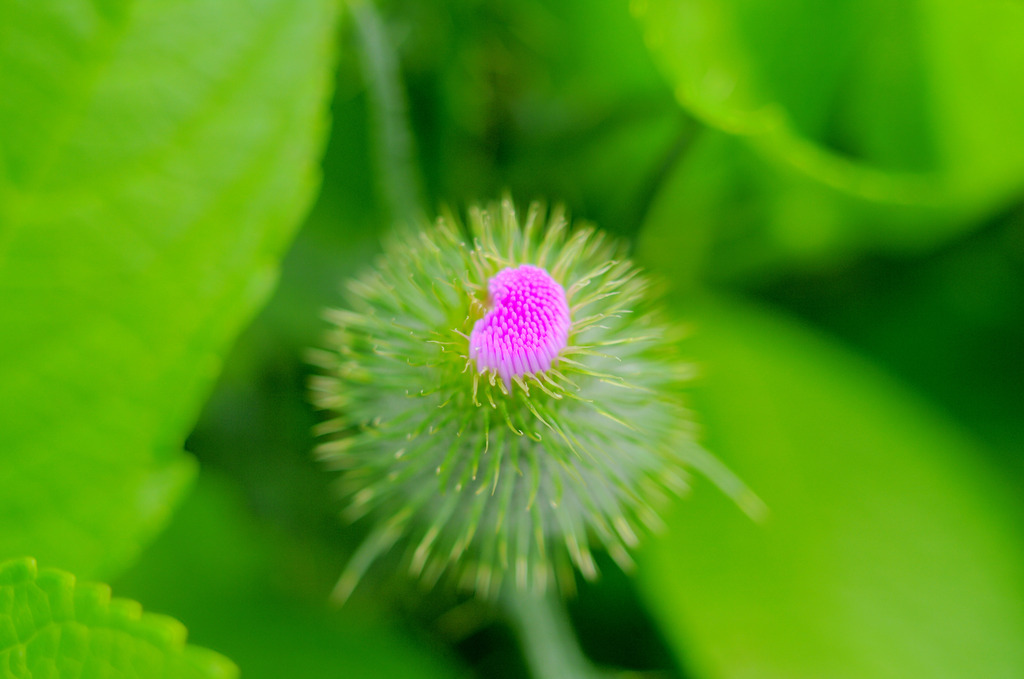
(887, 546)
(153, 166)
(866, 124)
(51, 626)
(855, 165)
(556, 100)
(231, 579)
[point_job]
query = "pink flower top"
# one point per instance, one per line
(526, 326)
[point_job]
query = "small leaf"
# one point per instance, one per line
(52, 627)
(155, 159)
(888, 551)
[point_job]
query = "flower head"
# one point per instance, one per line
(526, 326)
(506, 399)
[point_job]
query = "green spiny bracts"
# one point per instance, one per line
(501, 444)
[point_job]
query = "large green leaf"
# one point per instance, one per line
(52, 627)
(888, 552)
(895, 122)
(155, 158)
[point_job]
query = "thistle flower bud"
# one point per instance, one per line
(506, 399)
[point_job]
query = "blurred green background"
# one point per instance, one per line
(832, 193)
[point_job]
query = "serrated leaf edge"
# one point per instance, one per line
(94, 602)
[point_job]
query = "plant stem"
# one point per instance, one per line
(546, 637)
(398, 175)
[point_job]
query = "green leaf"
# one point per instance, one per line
(897, 122)
(52, 627)
(155, 158)
(888, 551)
